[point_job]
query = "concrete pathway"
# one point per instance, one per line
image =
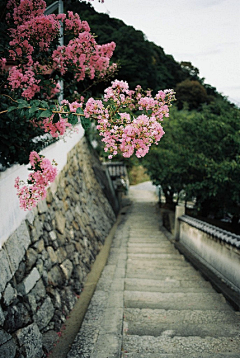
(150, 302)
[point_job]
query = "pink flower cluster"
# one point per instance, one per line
(123, 132)
(72, 106)
(43, 174)
(26, 81)
(56, 129)
(83, 56)
(74, 24)
(34, 33)
(60, 127)
(3, 62)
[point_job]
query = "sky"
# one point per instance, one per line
(203, 32)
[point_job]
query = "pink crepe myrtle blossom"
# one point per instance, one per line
(124, 133)
(43, 173)
(34, 44)
(56, 129)
(32, 32)
(25, 80)
(3, 62)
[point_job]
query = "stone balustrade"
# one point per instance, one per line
(217, 249)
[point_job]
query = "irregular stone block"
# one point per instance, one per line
(2, 317)
(47, 226)
(31, 258)
(37, 230)
(42, 206)
(61, 254)
(17, 316)
(30, 340)
(68, 297)
(61, 239)
(39, 246)
(70, 249)
(55, 296)
(60, 222)
(49, 197)
(32, 302)
(39, 291)
(8, 349)
(53, 235)
(55, 276)
(16, 245)
(76, 258)
(30, 281)
(4, 336)
(39, 266)
(9, 294)
(6, 274)
(30, 217)
(49, 339)
(45, 313)
(52, 255)
(67, 268)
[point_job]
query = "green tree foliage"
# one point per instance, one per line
(191, 93)
(200, 154)
(191, 71)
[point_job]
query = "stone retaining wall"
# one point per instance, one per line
(44, 263)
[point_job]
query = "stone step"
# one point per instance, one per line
(147, 322)
(179, 347)
(156, 263)
(149, 245)
(157, 249)
(147, 234)
(133, 284)
(145, 240)
(148, 271)
(174, 256)
(193, 355)
(182, 316)
(177, 301)
(148, 230)
(164, 274)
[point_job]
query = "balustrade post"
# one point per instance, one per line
(179, 211)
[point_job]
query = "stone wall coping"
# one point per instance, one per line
(11, 215)
(223, 235)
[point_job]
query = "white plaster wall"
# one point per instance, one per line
(11, 215)
(222, 258)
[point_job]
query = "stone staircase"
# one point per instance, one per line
(169, 309)
(150, 302)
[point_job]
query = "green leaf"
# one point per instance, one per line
(33, 109)
(55, 118)
(86, 123)
(45, 114)
(35, 103)
(44, 104)
(12, 108)
(79, 110)
(53, 107)
(23, 105)
(22, 102)
(66, 108)
(72, 119)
